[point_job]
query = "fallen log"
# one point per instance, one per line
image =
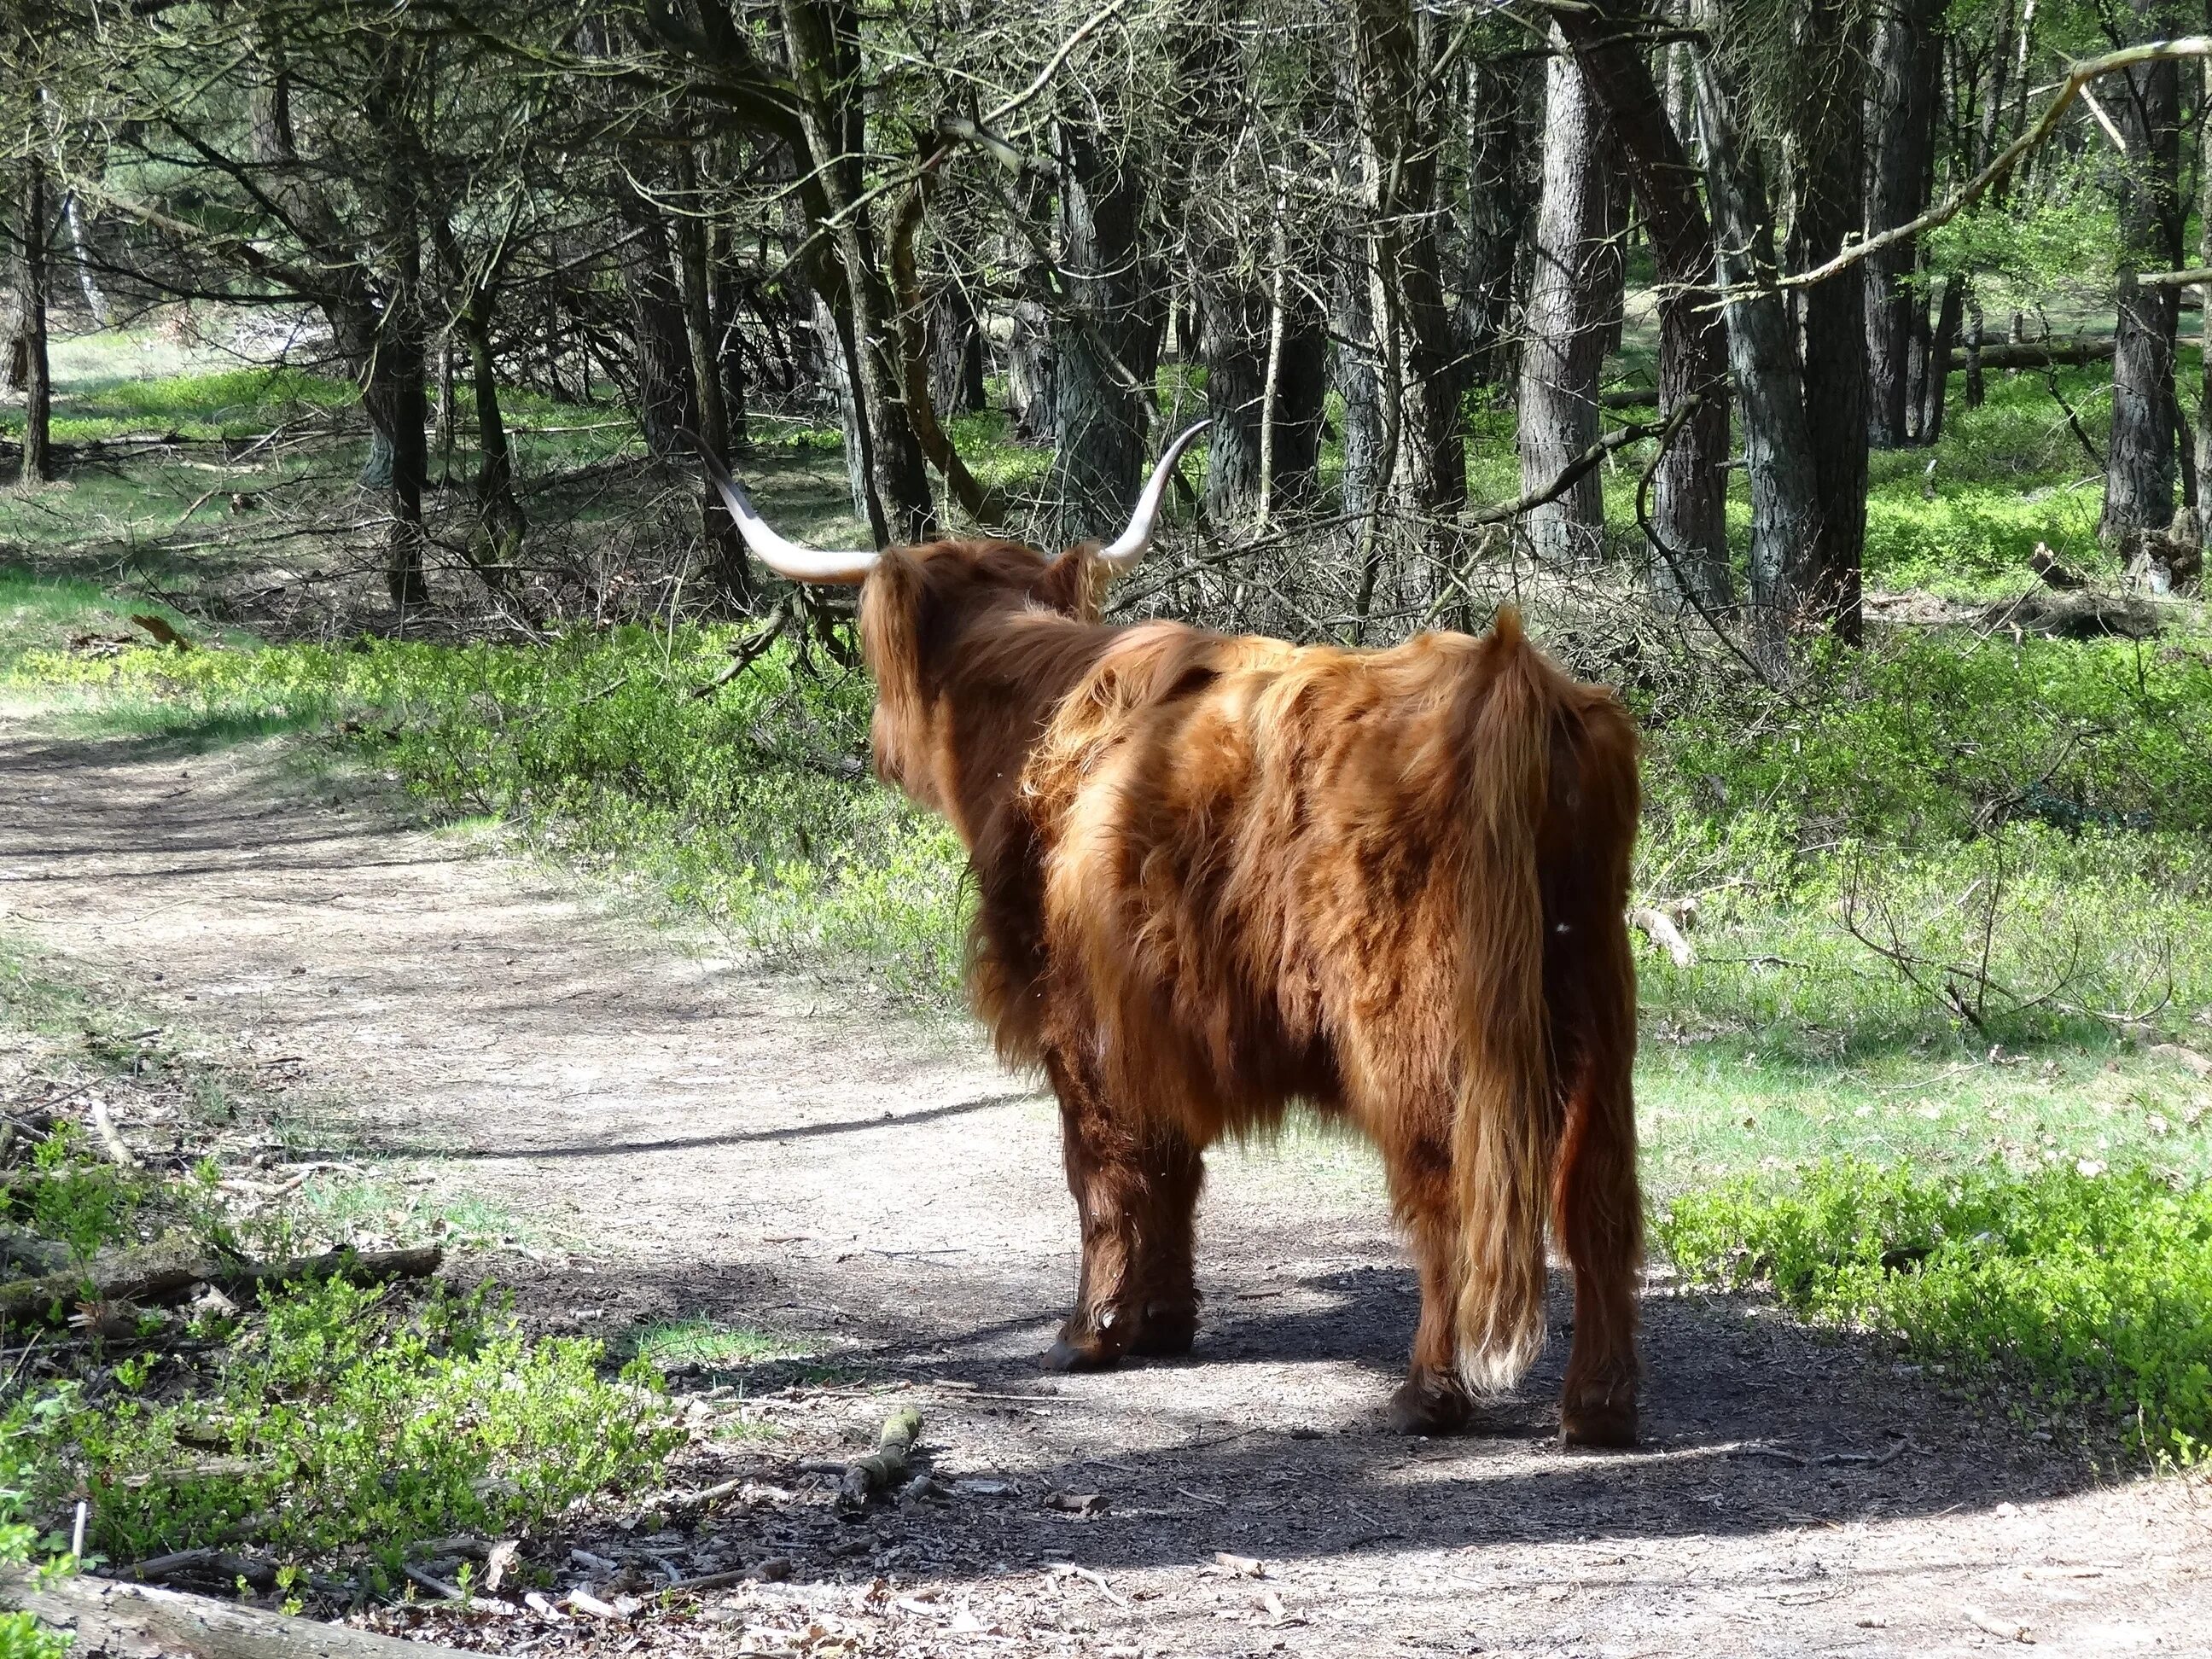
(153, 1276)
(2076, 614)
(112, 1620)
(2037, 354)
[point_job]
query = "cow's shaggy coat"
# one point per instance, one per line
(1218, 876)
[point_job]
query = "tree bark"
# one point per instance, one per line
(665, 395)
(1494, 211)
(1934, 366)
(2203, 457)
(32, 276)
(732, 568)
(956, 352)
(394, 394)
(1770, 381)
(1398, 100)
(2139, 476)
(1691, 486)
(1234, 328)
(1831, 205)
(1574, 288)
(1900, 123)
(1100, 407)
(821, 37)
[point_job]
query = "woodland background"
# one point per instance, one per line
(1827, 375)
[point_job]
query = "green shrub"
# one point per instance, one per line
(346, 1419)
(2089, 1289)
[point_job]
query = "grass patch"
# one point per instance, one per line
(710, 1345)
(349, 1419)
(2087, 1289)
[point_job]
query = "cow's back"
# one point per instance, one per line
(1252, 873)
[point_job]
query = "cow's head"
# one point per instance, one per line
(919, 606)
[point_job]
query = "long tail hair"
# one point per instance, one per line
(1506, 1136)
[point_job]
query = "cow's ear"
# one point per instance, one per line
(1074, 584)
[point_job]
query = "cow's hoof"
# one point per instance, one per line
(1082, 1346)
(1602, 1423)
(1426, 1403)
(1166, 1332)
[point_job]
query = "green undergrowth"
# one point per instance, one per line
(2084, 1289)
(304, 1419)
(346, 1417)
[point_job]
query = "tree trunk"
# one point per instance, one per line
(1830, 204)
(1936, 364)
(2204, 334)
(666, 396)
(36, 373)
(2139, 475)
(1394, 52)
(505, 523)
(1691, 487)
(1359, 385)
(956, 352)
(732, 568)
(1770, 381)
(1900, 117)
(1030, 372)
(1493, 212)
(821, 37)
(1564, 328)
(1234, 329)
(1099, 405)
(1301, 395)
(88, 283)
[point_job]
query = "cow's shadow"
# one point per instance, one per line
(1752, 1424)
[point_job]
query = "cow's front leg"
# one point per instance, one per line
(1136, 1191)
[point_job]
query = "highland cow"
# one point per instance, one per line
(1218, 877)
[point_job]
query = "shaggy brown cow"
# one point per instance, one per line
(1221, 875)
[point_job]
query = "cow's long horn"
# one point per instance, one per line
(787, 559)
(1126, 549)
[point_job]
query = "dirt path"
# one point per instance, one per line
(710, 1142)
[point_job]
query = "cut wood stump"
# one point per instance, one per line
(140, 1621)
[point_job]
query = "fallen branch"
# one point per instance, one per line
(2038, 354)
(133, 1277)
(1659, 928)
(112, 1620)
(123, 1157)
(885, 1466)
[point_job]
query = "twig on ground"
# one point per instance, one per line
(114, 1142)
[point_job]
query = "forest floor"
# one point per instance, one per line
(836, 1212)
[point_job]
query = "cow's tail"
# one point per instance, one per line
(1505, 1134)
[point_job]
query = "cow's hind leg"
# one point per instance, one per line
(1598, 1210)
(1432, 1399)
(1135, 1186)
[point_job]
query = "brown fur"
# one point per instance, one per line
(1219, 875)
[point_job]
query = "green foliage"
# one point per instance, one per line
(346, 1418)
(2091, 1289)
(241, 403)
(74, 1199)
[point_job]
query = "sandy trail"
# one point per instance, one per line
(707, 1140)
